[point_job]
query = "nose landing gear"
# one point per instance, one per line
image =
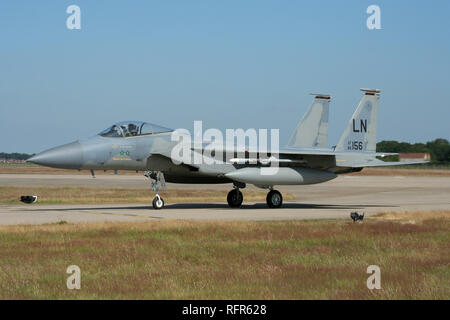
(158, 182)
(158, 202)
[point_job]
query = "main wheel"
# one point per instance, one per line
(235, 198)
(158, 202)
(274, 199)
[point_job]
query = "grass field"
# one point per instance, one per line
(73, 195)
(230, 260)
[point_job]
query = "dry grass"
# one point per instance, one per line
(413, 217)
(73, 195)
(227, 260)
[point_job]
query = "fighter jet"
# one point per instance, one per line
(142, 146)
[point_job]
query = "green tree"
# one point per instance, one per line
(439, 149)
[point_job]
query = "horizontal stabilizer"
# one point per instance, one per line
(380, 163)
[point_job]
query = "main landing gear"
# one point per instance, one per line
(158, 182)
(274, 198)
(235, 198)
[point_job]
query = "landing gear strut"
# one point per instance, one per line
(235, 196)
(158, 182)
(274, 199)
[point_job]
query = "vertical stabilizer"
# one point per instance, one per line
(361, 132)
(312, 131)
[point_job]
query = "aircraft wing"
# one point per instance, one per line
(326, 160)
(289, 151)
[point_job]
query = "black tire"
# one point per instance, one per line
(274, 199)
(235, 198)
(158, 204)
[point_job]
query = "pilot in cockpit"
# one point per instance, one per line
(125, 131)
(132, 129)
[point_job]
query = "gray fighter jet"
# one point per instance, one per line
(142, 146)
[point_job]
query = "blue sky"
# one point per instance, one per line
(232, 64)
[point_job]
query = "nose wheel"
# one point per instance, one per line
(274, 199)
(235, 198)
(158, 202)
(158, 182)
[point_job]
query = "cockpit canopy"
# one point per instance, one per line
(132, 129)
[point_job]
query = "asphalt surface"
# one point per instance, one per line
(330, 200)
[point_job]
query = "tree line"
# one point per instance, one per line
(439, 149)
(15, 156)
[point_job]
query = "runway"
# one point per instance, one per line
(331, 200)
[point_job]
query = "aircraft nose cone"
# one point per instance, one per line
(68, 156)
